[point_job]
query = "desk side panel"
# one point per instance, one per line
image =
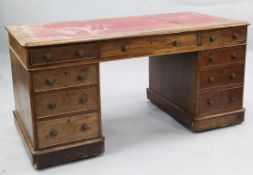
(22, 52)
(174, 77)
(21, 87)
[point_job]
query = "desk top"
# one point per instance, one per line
(102, 29)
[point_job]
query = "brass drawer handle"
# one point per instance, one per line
(84, 127)
(50, 81)
(47, 56)
(81, 76)
(233, 76)
(235, 36)
(52, 106)
(211, 79)
(53, 133)
(211, 59)
(212, 38)
(125, 48)
(176, 43)
(234, 56)
(210, 102)
(232, 99)
(80, 53)
(83, 99)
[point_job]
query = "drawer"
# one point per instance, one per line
(221, 56)
(65, 77)
(222, 76)
(50, 55)
(232, 99)
(148, 44)
(216, 102)
(236, 35)
(231, 35)
(68, 129)
(212, 37)
(66, 102)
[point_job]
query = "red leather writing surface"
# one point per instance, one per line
(118, 25)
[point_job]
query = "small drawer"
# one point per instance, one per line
(80, 100)
(65, 77)
(210, 102)
(221, 76)
(221, 56)
(232, 99)
(212, 37)
(236, 35)
(148, 44)
(50, 55)
(68, 129)
(216, 102)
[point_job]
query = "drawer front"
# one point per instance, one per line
(235, 35)
(148, 44)
(222, 76)
(221, 56)
(52, 55)
(65, 77)
(231, 35)
(232, 99)
(221, 101)
(68, 129)
(66, 102)
(212, 37)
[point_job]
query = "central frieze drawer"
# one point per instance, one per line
(148, 44)
(68, 129)
(65, 77)
(62, 102)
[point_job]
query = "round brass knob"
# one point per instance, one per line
(176, 43)
(80, 53)
(53, 133)
(234, 56)
(212, 38)
(210, 102)
(233, 76)
(211, 79)
(83, 99)
(232, 99)
(125, 48)
(52, 106)
(84, 127)
(235, 36)
(50, 81)
(47, 56)
(211, 59)
(81, 77)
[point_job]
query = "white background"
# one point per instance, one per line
(140, 138)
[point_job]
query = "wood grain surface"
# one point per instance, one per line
(68, 129)
(66, 101)
(65, 77)
(196, 74)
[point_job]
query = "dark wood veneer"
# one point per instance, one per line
(195, 75)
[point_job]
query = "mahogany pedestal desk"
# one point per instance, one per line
(196, 74)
